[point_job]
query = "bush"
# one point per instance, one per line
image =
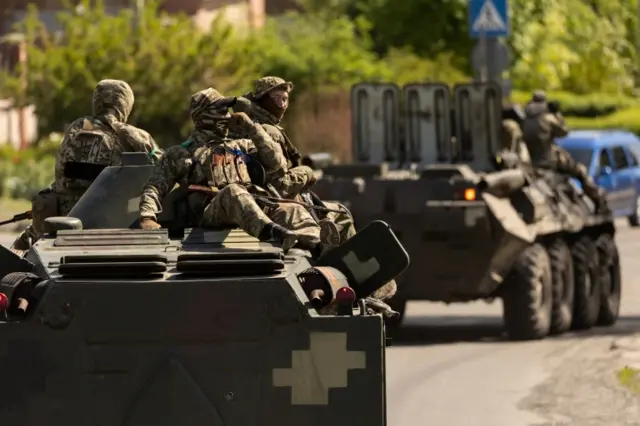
(23, 178)
(628, 119)
(588, 106)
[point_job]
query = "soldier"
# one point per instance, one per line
(542, 124)
(210, 159)
(89, 144)
(267, 105)
(512, 142)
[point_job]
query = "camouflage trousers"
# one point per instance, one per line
(566, 164)
(234, 205)
(344, 221)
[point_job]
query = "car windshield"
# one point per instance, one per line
(581, 155)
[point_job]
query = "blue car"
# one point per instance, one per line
(612, 158)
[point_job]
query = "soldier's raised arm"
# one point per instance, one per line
(269, 152)
(559, 127)
(173, 166)
(138, 140)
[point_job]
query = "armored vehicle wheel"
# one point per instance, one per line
(527, 297)
(587, 283)
(634, 219)
(563, 286)
(610, 280)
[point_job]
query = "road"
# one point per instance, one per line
(451, 366)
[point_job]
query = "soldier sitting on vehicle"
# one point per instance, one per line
(513, 150)
(541, 125)
(209, 159)
(267, 105)
(90, 144)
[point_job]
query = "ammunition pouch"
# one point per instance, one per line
(228, 166)
(43, 205)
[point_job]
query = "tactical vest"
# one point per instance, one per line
(86, 154)
(536, 133)
(228, 165)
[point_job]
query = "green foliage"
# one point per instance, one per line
(630, 379)
(592, 105)
(164, 59)
(314, 52)
(23, 178)
(406, 67)
(573, 46)
(628, 119)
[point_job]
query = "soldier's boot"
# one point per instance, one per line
(22, 243)
(272, 231)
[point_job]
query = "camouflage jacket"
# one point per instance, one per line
(191, 164)
(289, 181)
(539, 129)
(126, 138)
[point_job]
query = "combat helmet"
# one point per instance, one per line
(264, 85)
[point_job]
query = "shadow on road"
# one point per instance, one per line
(438, 330)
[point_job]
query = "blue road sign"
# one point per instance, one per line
(489, 18)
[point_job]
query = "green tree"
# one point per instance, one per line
(164, 59)
(574, 47)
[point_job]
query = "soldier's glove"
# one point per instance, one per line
(149, 224)
(240, 122)
(377, 306)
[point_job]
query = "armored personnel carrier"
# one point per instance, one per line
(105, 324)
(528, 237)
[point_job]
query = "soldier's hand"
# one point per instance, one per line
(312, 181)
(239, 121)
(149, 224)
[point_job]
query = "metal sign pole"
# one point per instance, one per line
(484, 69)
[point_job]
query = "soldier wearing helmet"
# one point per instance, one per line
(267, 105)
(210, 159)
(541, 125)
(90, 144)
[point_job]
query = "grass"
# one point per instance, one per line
(630, 379)
(10, 207)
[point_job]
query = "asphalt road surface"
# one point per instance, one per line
(451, 366)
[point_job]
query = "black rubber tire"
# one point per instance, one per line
(610, 280)
(528, 296)
(587, 283)
(563, 286)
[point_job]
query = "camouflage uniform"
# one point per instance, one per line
(540, 127)
(206, 159)
(512, 140)
(112, 104)
(291, 181)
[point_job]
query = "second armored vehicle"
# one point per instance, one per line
(528, 237)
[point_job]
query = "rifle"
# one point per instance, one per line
(273, 201)
(28, 215)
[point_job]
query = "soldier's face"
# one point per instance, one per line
(280, 98)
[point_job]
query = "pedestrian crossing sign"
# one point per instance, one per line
(488, 18)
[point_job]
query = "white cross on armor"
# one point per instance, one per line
(324, 366)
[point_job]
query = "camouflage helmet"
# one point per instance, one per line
(113, 97)
(210, 101)
(264, 85)
(539, 96)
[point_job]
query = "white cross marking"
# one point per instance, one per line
(324, 366)
(361, 271)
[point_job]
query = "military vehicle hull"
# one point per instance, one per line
(143, 344)
(120, 326)
(484, 235)
(529, 238)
